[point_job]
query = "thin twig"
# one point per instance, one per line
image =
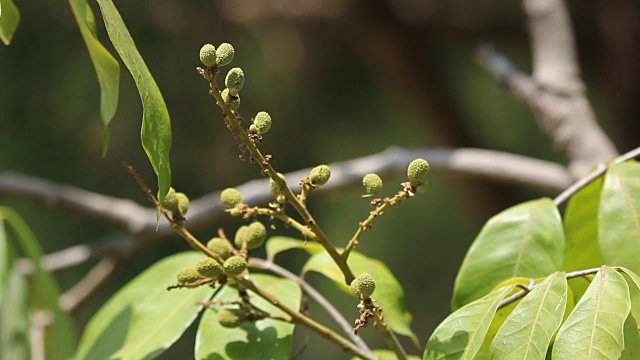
(90, 284)
(591, 177)
(311, 291)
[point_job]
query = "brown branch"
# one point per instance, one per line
(90, 285)
(556, 93)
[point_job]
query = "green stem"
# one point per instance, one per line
(182, 231)
(389, 337)
(364, 225)
(236, 128)
(299, 318)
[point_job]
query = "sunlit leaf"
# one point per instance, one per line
(462, 333)
(526, 240)
(389, 293)
(278, 244)
(143, 319)
(44, 292)
(528, 330)
(9, 20)
(594, 330)
(156, 126)
(388, 355)
(107, 68)
(264, 339)
(619, 216)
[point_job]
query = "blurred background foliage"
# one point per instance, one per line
(341, 79)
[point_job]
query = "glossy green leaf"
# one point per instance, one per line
(581, 228)
(143, 319)
(14, 301)
(499, 318)
(9, 20)
(631, 340)
(528, 330)
(619, 217)
(43, 289)
(106, 66)
(389, 293)
(264, 339)
(278, 244)
(526, 240)
(594, 330)
(633, 280)
(156, 126)
(462, 333)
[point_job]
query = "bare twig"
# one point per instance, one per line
(95, 279)
(321, 300)
(556, 93)
(599, 171)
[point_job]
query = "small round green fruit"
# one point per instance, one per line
(319, 175)
(242, 234)
(232, 100)
(170, 201)
(372, 184)
(363, 286)
(417, 171)
(261, 122)
(183, 203)
(188, 275)
(257, 234)
(208, 267)
(231, 318)
(219, 247)
(235, 265)
(234, 80)
(231, 197)
(224, 54)
(208, 55)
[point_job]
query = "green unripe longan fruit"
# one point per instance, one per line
(224, 54)
(219, 247)
(208, 55)
(188, 275)
(261, 123)
(231, 318)
(363, 286)
(372, 184)
(417, 171)
(208, 267)
(231, 197)
(234, 80)
(235, 265)
(170, 201)
(232, 100)
(257, 234)
(319, 175)
(237, 210)
(183, 203)
(273, 187)
(242, 234)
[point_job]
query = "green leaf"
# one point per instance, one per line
(631, 339)
(14, 309)
(633, 280)
(581, 228)
(462, 333)
(528, 330)
(143, 319)
(526, 240)
(619, 218)
(264, 339)
(388, 355)
(594, 329)
(107, 68)
(9, 20)
(44, 291)
(156, 126)
(389, 293)
(278, 244)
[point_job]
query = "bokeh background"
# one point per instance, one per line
(341, 79)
